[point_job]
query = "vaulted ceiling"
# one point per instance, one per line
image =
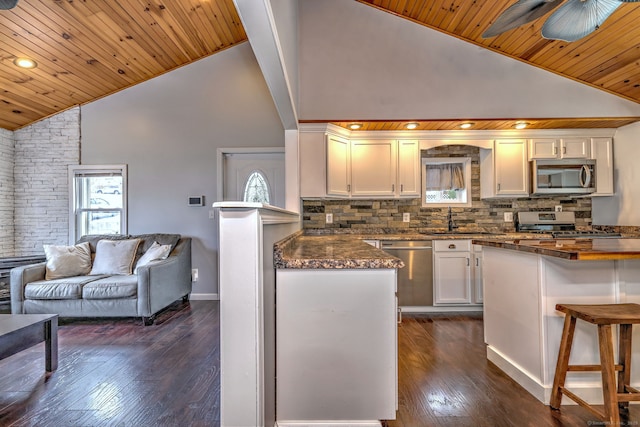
(89, 49)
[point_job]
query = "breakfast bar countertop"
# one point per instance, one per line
(572, 249)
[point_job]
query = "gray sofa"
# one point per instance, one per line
(154, 287)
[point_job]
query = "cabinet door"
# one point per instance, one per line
(452, 278)
(338, 166)
(575, 148)
(373, 168)
(511, 168)
(476, 266)
(602, 152)
(543, 148)
(408, 169)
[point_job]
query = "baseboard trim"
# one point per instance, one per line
(328, 424)
(591, 392)
(440, 309)
(204, 297)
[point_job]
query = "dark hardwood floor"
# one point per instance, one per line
(116, 372)
(445, 379)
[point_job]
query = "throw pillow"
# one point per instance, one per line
(114, 256)
(154, 253)
(67, 261)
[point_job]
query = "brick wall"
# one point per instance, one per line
(43, 151)
(483, 214)
(6, 192)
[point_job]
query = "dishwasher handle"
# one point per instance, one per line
(412, 248)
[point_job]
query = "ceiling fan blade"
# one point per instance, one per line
(578, 18)
(520, 13)
(7, 4)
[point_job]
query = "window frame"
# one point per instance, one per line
(466, 162)
(79, 170)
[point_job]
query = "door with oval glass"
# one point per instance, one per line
(254, 177)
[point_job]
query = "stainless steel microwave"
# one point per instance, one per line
(563, 176)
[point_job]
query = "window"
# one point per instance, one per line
(256, 189)
(98, 200)
(446, 181)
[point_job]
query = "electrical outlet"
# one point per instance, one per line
(406, 217)
(329, 219)
(508, 216)
(212, 214)
(558, 208)
(194, 274)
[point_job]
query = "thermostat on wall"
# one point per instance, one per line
(196, 201)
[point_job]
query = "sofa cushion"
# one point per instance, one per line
(115, 256)
(93, 239)
(149, 239)
(65, 288)
(112, 287)
(66, 261)
(154, 253)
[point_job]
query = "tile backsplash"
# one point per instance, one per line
(485, 214)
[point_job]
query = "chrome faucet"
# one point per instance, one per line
(450, 223)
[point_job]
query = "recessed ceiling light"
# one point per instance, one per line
(25, 63)
(520, 125)
(411, 126)
(467, 125)
(355, 126)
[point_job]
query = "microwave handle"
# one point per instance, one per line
(586, 173)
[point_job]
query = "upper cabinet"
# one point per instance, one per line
(338, 166)
(564, 148)
(602, 152)
(504, 171)
(372, 168)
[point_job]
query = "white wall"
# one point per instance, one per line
(168, 130)
(357, 62)
(285, 16)
(624, 207)
(7, 154)
(43, 153)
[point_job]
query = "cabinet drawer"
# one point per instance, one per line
(452, 245)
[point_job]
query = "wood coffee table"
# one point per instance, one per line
(21, 331)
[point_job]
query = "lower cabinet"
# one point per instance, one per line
(336, 346)
(457, 273)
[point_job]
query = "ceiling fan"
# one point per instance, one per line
(8, 4)
(572, 21)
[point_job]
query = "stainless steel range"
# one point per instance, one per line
(557, 224)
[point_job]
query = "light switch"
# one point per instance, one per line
(508, 216)
(329, 219)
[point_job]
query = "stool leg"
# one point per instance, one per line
(607, 363)
(563, 361)
(624, 354)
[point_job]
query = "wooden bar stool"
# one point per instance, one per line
(602, 315)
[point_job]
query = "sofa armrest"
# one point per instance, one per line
(20, 277)
(162, 282)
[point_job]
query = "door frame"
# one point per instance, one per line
(236, 150)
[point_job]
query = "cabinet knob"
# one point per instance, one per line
(452, 246)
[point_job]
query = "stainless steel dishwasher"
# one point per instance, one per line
(415, 280)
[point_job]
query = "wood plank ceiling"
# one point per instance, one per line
(89, 49)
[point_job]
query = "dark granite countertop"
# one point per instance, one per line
(572, 249)
(342, 251)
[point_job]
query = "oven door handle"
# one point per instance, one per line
(585, 176)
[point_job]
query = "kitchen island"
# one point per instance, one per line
(523, 282)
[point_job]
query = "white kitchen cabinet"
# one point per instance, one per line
(312, 151)
(408, 168)
(336, 343)
(370, 168)
(602, 152)
(564, 148)
(476, 273)
(504, 171)
(338, 166)
(374, 168)
(452, 272)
